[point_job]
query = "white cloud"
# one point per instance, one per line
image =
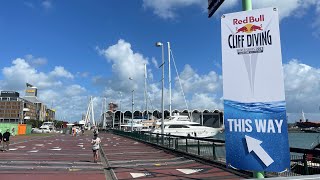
(46, 4)
(82, 74)
(193, 82)
(125, 64)
(302, 85)
(167, 8)
(155, 62)
(70, 100)
(35, 61)
(74, 90)
(21, 72)
(201, 91)
(59, 71)
(203, 101)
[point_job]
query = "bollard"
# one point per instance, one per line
(157, 138)
(198, 148)
(186, 144)
(305, 164)
(214, 151)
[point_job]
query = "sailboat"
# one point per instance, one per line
(182, 125)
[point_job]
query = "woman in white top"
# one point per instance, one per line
(95, 147)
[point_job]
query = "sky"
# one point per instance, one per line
(71, 50)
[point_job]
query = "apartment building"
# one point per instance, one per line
(15, 109)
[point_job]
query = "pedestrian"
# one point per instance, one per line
(6, 140)
(73, 131)
(82, 130)
(95, 130)
(13, 132)
(95, 147)
(1, 139)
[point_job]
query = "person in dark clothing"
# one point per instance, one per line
(6, 140)
(1, 140)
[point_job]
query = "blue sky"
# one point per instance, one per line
(75, 49)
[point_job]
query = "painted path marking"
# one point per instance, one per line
(189, 171)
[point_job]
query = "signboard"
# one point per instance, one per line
(253, 90)
(30, 90)
(9, 94)
(213, 6)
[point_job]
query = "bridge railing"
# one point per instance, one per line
(303, 161)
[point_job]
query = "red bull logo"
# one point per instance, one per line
(248, 28)
(249, 19)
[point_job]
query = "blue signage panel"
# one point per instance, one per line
(256, 136)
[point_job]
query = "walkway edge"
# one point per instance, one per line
(108, 171)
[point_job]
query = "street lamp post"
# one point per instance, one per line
(120, 110)
(132, 110)
(158, 44)
(132, 113)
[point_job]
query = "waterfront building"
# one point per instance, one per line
(50, 114)
(43, 113)
(15, 109)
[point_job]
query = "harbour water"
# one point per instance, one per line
(296, 139)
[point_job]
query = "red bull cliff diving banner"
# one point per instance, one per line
(253, 89)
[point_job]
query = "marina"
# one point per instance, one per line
(160, 90)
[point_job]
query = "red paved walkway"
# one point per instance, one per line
(57, 157)
(130, 159)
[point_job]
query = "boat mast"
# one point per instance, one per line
(92, 113)
(87, 114)
(303, 117)
(170, 99)
(104, 105)
(145, 90)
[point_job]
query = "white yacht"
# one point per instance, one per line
(47, 127)
(182, 126)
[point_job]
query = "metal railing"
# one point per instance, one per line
(303, 161)
(207, 148)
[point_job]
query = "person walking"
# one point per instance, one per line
(95, 147)
(1, 140)
(6, 140)
(82, 130)
(95, 130)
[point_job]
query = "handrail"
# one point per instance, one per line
(303, 161)
(292, 149)
(305, 151)
(186, 137)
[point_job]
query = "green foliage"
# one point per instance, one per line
(57, 123)
(34, 123)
